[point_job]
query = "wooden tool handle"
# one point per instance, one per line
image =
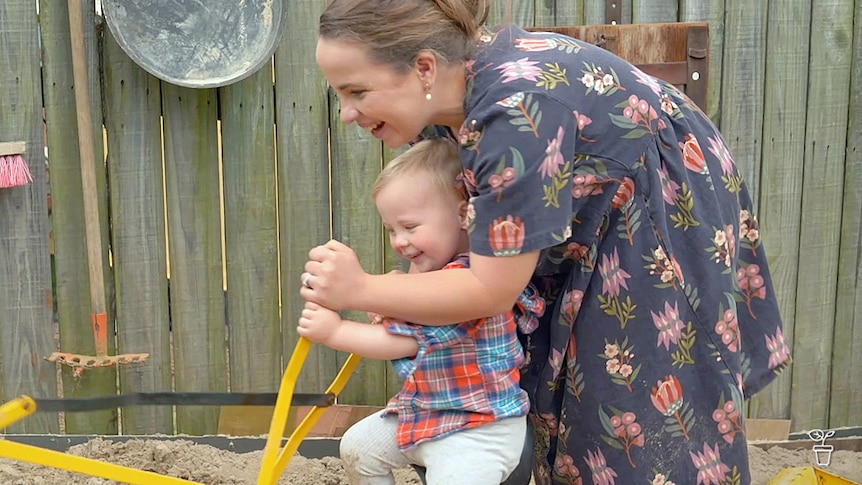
(12, 148)
(88, 157)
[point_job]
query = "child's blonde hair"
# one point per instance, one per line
(437, 157)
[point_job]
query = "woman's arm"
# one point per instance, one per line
(322, 325)
(490, 286)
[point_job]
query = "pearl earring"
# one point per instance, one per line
(428, 96)
(427, 91)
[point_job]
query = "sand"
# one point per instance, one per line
(213, 466)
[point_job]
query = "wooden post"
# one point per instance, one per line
(25, 273)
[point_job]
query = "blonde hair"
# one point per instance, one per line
(438, 158)
(396, 31)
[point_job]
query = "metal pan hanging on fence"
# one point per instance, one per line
(197, 44)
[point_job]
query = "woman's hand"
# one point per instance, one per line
(376, 318)
(333, 277)
(318, 324)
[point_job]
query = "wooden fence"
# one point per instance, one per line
(241, 181)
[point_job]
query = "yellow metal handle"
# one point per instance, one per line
(86, 466)
(274, 462)
(16, 410)
(281, 411)
(307, 423)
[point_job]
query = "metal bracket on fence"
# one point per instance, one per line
(613, 12)
(698, 65)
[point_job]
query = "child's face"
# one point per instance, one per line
(425, 224)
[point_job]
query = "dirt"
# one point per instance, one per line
(213, 466)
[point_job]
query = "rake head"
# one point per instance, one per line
(80, 362)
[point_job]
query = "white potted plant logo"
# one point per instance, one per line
(822, 452)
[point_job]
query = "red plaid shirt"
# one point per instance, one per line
(463, 376)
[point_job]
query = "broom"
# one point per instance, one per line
(13, 168)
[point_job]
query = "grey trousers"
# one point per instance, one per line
(484, 455)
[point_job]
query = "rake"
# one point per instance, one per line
(99, 315)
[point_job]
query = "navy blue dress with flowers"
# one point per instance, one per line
(660, 315)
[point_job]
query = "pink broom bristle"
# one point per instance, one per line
(14, 171)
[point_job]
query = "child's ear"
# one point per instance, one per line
(462, 215)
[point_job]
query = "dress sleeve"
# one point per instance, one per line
(518, 155)
(759, 317)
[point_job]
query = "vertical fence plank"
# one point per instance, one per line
(595, 12)
(652, 11)
(555, 12)
(545, 12)
(569, 12)
(743, 86)
(356, 159)
(302, 114)
(197, 297)
(25, 288)
(845, 404)
(823, 182)
(524, 13)
(520, 12)
(711, 11)
(72, 293)
(133, 105)
(785, 105)
(500, 12)
(627, 8)
(251, 243)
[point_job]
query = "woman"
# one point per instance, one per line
(609, 191)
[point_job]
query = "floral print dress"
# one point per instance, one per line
(660, 314)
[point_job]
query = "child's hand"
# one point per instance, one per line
(318, 324)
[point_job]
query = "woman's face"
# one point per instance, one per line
(391, 105)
